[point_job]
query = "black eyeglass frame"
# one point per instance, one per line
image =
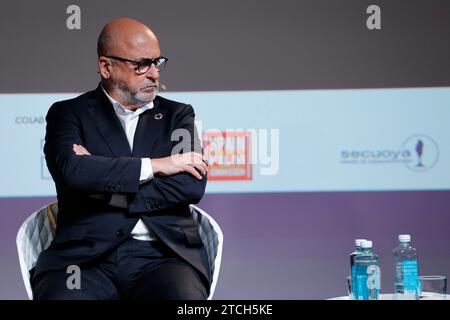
(139, 63)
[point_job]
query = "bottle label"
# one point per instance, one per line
(354, 286)
(367, 282)
(410, 276)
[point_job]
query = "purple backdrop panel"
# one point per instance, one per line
(290, 245)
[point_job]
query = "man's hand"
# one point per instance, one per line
(186, 162)
(80, 150)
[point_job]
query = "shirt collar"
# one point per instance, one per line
(120, 110)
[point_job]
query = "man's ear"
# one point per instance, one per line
(104, 66)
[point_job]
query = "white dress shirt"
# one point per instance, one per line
(129, 120)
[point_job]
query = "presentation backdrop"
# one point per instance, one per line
(298, 141)
(318, 129)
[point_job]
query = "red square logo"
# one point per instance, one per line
(228, 154)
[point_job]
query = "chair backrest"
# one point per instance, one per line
(35, 235)
(37, 232)
(212, 238)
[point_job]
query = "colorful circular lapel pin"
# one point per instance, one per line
(158, 116)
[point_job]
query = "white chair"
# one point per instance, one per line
(212, 238)
(37, 232)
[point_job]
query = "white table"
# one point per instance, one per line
(390, 296)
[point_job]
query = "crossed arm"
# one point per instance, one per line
(191, 163)
(168, 166)
(177, 179)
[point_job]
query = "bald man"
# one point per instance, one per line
(123, 184)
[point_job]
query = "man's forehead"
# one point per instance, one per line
(145, 53)
(139, 49)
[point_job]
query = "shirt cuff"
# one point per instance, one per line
(146, 170)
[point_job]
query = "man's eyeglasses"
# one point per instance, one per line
(143, 65)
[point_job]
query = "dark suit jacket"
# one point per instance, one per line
(89, 227)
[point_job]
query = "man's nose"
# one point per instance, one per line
(152, 73)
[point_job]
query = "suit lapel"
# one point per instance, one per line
(146, 132)
(105, 119)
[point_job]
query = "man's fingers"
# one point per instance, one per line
(77, 150)
(204, 167)
(84, 150)
(80, 150)
(192, 171)
(76, 147)
(201, 168)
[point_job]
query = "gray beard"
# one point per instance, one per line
(134, 98)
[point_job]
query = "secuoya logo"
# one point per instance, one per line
(418, 153)
(424, 152)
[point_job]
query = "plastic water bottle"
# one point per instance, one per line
(367, 273)
(407, 284)
(358, 248)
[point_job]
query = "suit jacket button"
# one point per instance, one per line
(119, 233)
